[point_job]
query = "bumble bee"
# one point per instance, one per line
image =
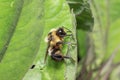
(55, 40)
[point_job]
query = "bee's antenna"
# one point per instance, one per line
(68, 30)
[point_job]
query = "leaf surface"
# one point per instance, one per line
(57, 14)
(20, 34)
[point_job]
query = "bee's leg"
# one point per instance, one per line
(69, 44)
(68, 57)
(71, 36)
(46, 52)
(60, 42)
(57, 57)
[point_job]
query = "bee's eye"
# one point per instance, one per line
(60, 31)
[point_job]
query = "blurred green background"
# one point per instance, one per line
(102, 57)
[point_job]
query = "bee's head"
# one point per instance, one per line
(60, 32)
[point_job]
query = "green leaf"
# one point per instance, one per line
(10, 12)
(33, 74)
(57, 14)
(114, 40)
(114, 9)
(114, 31)
(83, 14)
(84, 21)
(82, 41)
(20, 34)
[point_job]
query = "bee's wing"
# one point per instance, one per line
(47, 51)
(46, 39)
(46, 54)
